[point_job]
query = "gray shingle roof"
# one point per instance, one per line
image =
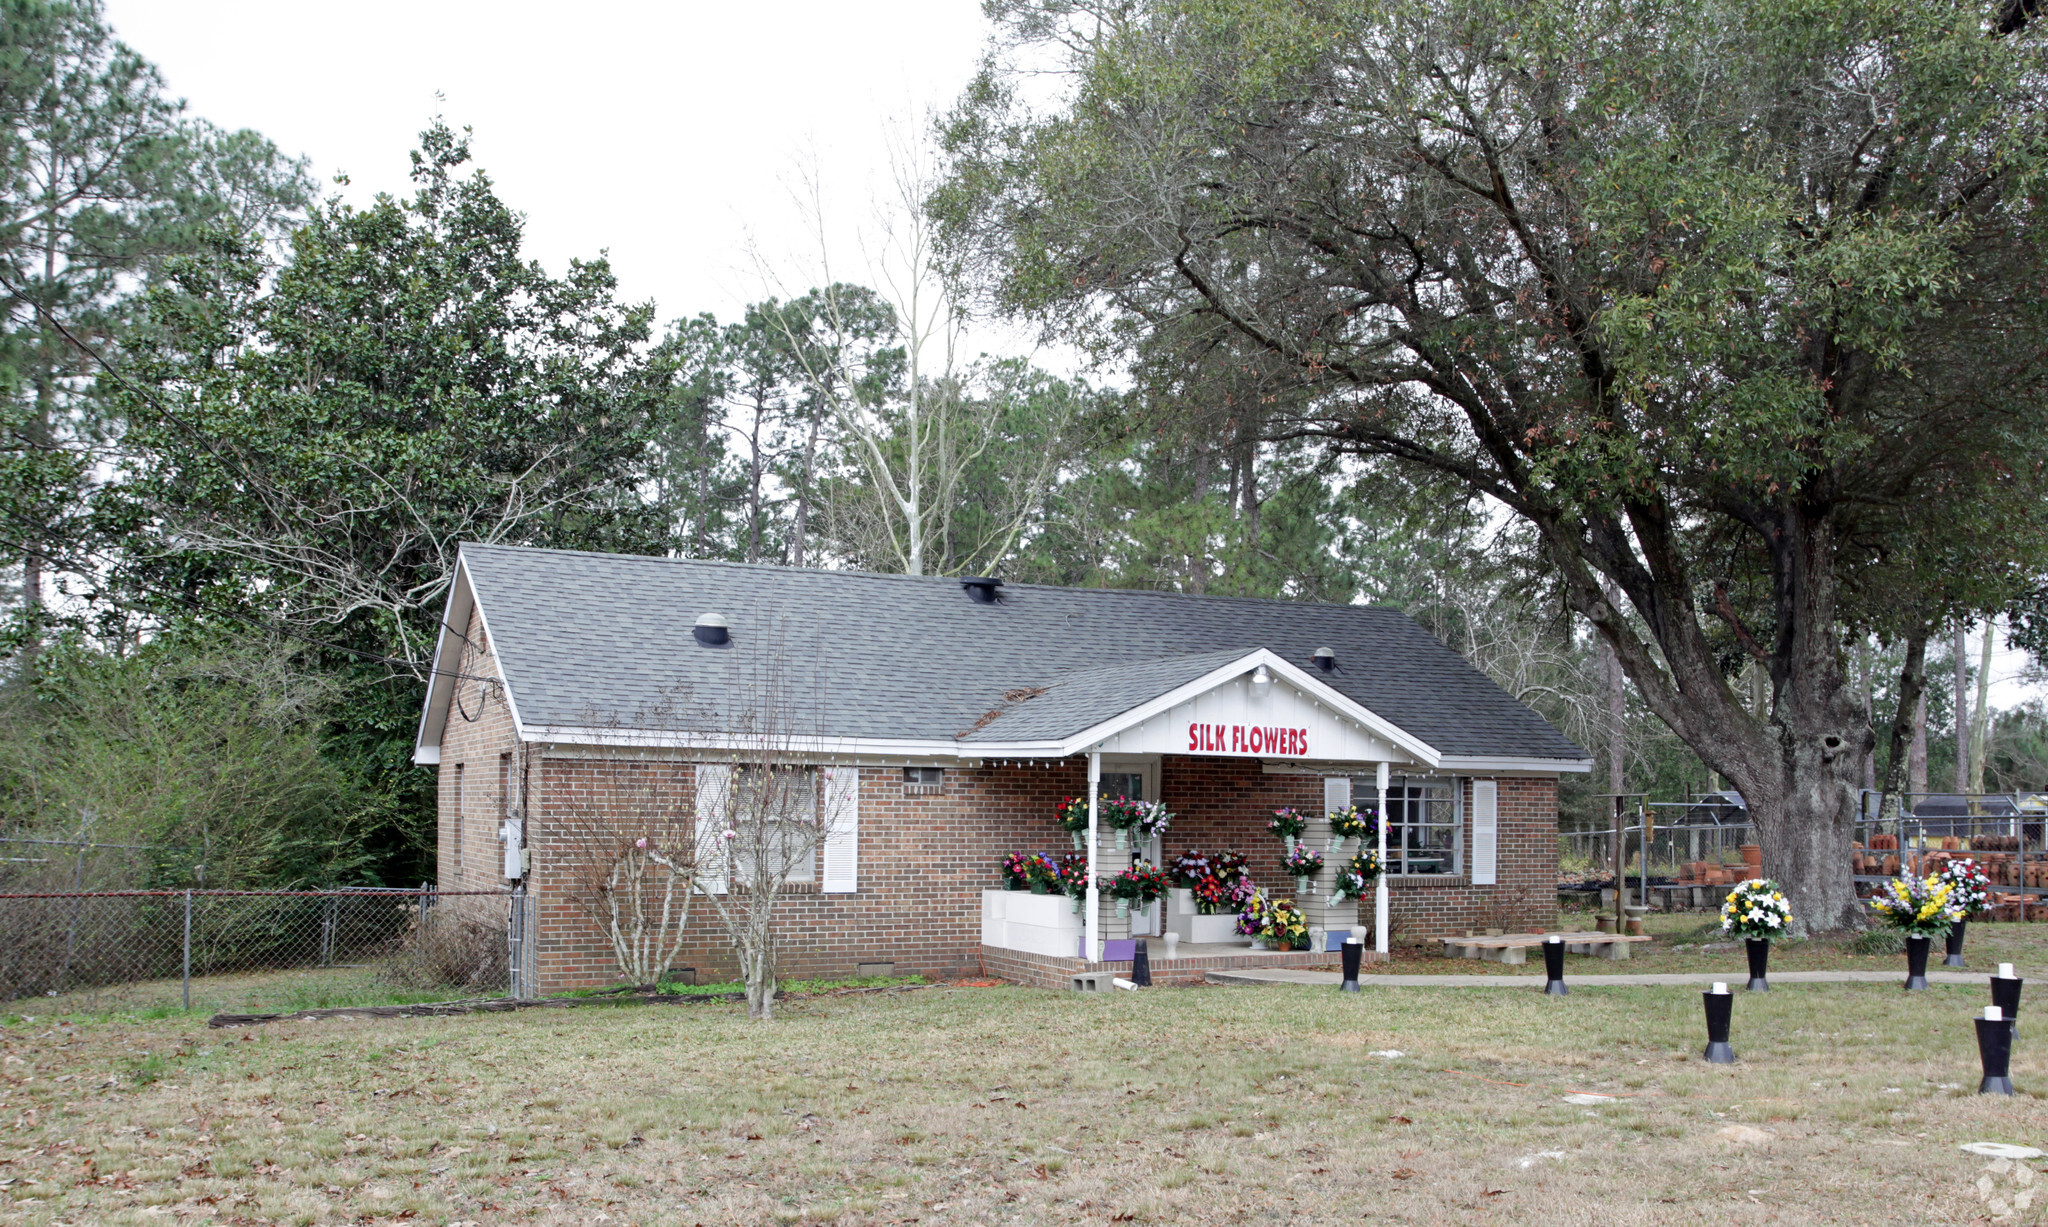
(591, 639)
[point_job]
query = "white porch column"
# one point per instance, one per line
(1094, 929)
(1379, 894)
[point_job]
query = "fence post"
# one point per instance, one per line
(188, 949)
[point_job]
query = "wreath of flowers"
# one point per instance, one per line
(1969, 889)
(1141, 883)
(1920, 907)
(1357, 877)
(1287, 823)
(1756, 908)
(1302, 862)
(1347, 823)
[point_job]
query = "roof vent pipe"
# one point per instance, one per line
(712, 630)
(1326, 660)
(981, 589)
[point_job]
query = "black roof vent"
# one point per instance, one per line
(981, 589)
(712, 630)
(1326, 659)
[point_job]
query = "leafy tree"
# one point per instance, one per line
(195, 760)
(1725, 302)
(102, 178)
(313, 441)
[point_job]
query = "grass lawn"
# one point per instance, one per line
(1692, 942)
(965, 1104)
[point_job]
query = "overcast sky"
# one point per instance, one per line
(662, 132)
(667, 134)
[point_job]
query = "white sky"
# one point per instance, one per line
(667, 134)
(664, 132)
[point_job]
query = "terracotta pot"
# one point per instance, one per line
(1891, 866)
(1753, 856)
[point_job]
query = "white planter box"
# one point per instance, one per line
(1035, 924)
(1193, 927)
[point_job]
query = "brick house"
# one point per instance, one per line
(942, 722)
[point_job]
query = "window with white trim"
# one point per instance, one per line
(924, 781)
(775, 815)
(1424, 834)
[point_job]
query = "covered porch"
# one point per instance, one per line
(1247, 736)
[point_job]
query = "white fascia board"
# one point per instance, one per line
(828, 748)
(426, 742)
(1480, 764)
(1302, 680)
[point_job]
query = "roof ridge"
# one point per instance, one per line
(849, 573)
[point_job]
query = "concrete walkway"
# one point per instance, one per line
(1734, 979)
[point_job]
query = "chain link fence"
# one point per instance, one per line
(222, 949)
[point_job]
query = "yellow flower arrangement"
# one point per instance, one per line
(1921, 907)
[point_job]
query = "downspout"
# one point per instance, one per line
(1093, 948)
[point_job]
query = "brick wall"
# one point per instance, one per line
(478, 733)
(925, 859)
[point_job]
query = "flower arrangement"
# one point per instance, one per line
(1357, 877)
(1302, 861)
(1347, 823)
(1072, 814)
(1073, 876)
(1287, 823)
(1016, 870)
(1919, 907)
(1042, 875)
(1141, 883)
(1756, 909)
(1253, 915)
(1214, 895)
(1286, 926)
(1189, 868)
(1153, 818)
(1969, 889)
(1231, 866)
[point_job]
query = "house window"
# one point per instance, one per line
(1423, 831)
(1123, 784)
(924, 781)
(775, 815)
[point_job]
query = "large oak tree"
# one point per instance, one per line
(1736, 303)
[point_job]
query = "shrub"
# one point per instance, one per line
(461, 944)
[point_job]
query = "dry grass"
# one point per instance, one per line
(996, 1104)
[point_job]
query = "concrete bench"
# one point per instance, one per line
(1513, 948)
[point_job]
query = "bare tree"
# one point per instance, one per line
(760, 816)
(915, 435)
(623, 832)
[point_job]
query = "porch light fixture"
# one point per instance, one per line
(1260, 677)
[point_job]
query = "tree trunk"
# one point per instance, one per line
(1908, 724)
(1916, 757)
(1980, 711)
(1962, 662)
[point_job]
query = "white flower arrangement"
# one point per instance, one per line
(1756, 909)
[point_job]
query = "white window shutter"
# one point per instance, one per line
(1336, 793)
(842, 831)
(714, 783)
(1485, 832)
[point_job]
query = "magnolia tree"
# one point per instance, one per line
(626, 837)
(761, 815)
